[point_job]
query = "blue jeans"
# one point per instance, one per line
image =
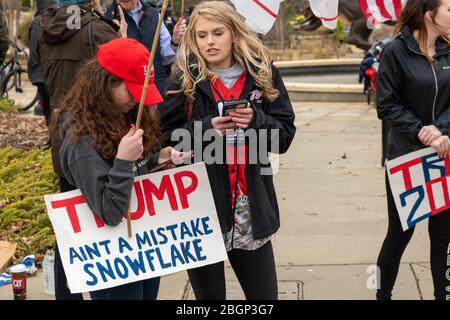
(139, 290)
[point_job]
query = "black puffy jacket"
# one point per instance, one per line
(267, 115)
(412, 92)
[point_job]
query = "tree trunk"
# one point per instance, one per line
(11, 10)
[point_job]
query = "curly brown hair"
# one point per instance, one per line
(93, 112)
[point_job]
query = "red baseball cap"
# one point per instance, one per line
(128, 59)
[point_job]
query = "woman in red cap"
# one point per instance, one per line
(101, 144)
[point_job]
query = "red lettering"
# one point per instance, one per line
(70, 204)
(429, 185)
(98, 222)
(165, 187)
(140, 203)
(447, 166)
(404, 168)
(183, 191)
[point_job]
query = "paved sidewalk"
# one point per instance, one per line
(331, 194)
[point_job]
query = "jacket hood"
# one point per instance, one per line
(43, 5)
(54, 24)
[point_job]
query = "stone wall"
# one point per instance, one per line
(308, 47)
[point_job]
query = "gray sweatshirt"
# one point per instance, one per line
(107, 188)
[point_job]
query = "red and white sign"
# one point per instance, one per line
(326, 10)
(174, 223)
(260, 15)
(378, 11)
(420, 185)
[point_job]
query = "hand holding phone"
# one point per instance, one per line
(241, 115)
(231, 106)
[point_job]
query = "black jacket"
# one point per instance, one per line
(412, 92)
(35, 73)
(267, 115)
(145, 33)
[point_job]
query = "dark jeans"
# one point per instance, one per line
(255, 271)
(395, 244)
(62, 292)
(139, 290)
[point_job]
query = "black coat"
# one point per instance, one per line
(145, 33)
(267, 115)
(412, 92)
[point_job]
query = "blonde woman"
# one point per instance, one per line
(221, 60)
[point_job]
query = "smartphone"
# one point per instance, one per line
(231, 106)
(116, 13)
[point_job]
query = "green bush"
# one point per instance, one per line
(6, 106)
(25, 176)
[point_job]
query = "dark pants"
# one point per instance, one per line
(62, 292)
(395, 244)
(139, 290)
(255, 271)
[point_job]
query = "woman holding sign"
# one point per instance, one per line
(226, 85)
(414, 97)
(101, 145)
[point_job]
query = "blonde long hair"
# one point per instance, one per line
(248, 50)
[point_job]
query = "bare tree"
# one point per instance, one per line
(11, 9)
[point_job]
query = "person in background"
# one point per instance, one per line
(35, 73)
(142, 21)
(413, 96)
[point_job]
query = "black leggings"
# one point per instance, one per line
(395, 244)
(255, 271)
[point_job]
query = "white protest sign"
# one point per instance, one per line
(326, 10)
(419, 182)
(260, 15)
(174, 222)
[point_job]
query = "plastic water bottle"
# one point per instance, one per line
(49, 275)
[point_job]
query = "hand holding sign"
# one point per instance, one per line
(428, 134)
(131, 147)
(442, 146)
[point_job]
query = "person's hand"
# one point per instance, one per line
(131, 147)
(428, 134)
(178, 31)
(442, 146)
(122, 33)
(242, 117)
(222, 124)
(170, 153)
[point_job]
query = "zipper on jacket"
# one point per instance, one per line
(235, 199)
(435, 81)
(437, 90)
